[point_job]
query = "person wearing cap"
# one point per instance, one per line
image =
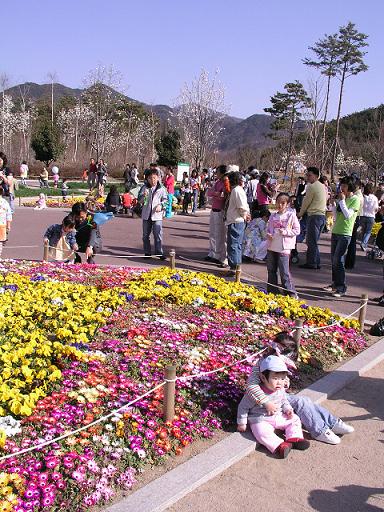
(251, 189)
(273, 373)
(321, 424)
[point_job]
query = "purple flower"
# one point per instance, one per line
(163, 283)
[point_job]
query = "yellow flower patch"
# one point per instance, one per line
(40, 322)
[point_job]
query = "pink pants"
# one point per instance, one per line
(264, 431)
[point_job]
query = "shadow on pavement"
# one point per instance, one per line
(353, 498)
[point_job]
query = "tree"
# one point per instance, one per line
(373, 149)
(102, 98)
(52, 77)
(198, 112)
(8, 122)
(287, 110)
(128, 115)
(312, 116)
(349, 63)
(4, 82)
(168, 148)
(326, 51)
(46, 142)
(73, 120)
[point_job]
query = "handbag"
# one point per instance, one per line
(378, 328)
(62, 251)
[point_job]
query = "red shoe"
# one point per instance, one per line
(283, 449)
(298, 443)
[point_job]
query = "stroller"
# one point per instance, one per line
(378, 246)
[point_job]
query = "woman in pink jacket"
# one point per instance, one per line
(282, 229)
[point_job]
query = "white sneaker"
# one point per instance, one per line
(338, 294)
(342, 428)
(328, 437)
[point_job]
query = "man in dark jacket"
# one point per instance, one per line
(88, 235)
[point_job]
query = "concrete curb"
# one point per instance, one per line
(174, 485)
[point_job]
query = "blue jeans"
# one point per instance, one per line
(168, 211)
(195, 199)
(315, 225)
(339, 248)
(156, 227)
(313, 417)
(235, 234)
(277, 261)
(366, 224)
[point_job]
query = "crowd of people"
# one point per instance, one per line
(251, 218)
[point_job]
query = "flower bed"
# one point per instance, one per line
(79, 342)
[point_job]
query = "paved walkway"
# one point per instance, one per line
(348, 477)
(189, 237)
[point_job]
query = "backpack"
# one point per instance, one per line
(378, 328)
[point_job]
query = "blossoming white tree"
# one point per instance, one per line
(199, 110)
(73, 122)
(101, 97)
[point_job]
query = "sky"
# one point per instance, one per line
(158, 45)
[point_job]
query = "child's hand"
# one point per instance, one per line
(271, 408)
(269, 236)
(289, 413)
(241, 428)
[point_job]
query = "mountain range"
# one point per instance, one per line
(252, 131)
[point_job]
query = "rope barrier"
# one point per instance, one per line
(282, 287)
(69, 434)
(202, 374)
(337, 322)
(116, 411)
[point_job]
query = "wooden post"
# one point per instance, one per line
(297, 332)
(169, 393)
(363, 311)
(46, 250)
(237, 274)
(19, 200)
(172, 259)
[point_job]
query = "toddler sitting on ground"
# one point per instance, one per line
(273, 372)
(318, 421)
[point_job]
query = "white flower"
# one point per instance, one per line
(57, 301)
(10, 426)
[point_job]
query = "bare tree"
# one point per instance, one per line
(199, 110)
(312, 115)
(52, 75)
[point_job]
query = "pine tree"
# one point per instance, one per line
(349, 63)
(286, 109)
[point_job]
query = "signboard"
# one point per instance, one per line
(181, 169)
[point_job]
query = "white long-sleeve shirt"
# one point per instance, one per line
(237, 206)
